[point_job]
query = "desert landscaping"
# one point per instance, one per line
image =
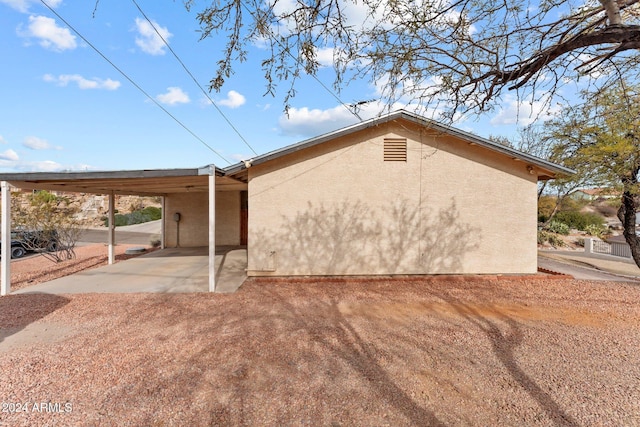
(530, 350)
(330, 214)
(513, 350)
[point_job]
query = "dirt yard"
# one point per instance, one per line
(444, 351)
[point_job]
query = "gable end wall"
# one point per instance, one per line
(339, 209)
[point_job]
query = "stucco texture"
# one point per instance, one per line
(192, 230)
(338, 209)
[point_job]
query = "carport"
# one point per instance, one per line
(202, 182)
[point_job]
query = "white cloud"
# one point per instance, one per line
(35, 143)
(9, 160)
(524, 111)
(23, 5)
(148, 40)
(174, 95)
(2, 140)
(312, 122)
(50, 35)
(83, 83)
(306, 122)
(325, 56)
(233, 100)
(41, 166)
(9, 155)
(239, 157)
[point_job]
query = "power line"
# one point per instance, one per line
(193, 78)
(133, 82)
(297, 60)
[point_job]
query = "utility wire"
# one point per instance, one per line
(133, 82)
(297, 60)
(193, 78)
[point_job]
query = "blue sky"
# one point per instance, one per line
(64, 107)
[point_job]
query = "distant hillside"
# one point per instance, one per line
(94, 208)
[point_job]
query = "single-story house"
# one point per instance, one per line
(395, 195)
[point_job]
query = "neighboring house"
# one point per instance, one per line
(398, 194)
(594, 194)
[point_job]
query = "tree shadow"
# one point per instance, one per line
(266, 373)
(284, 346)
(504, 344)
(345, 343)
(352, 238)
(19, 311)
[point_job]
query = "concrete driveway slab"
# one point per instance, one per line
(167, 270)
(584, 267)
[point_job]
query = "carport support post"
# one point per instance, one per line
(5, 280)
(212, 229)
(112, 226)
(162, 223)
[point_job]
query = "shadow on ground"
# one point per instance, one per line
(19, 311)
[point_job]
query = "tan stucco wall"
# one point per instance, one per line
(194, 211)
(337, 209)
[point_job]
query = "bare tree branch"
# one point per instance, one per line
(459, 54)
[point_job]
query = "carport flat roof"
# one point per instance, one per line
(132, 182)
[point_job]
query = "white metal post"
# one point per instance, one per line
(112, 227)
(212, 229)
(162, 223)
(588, 245)
(5, 253)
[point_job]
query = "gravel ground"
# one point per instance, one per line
(440, 351)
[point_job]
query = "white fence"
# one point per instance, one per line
(618, 249)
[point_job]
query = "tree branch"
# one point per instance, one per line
(627, 37)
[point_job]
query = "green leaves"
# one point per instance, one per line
(599, 139)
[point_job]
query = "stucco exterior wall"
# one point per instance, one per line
(192, 230)
(339, 209)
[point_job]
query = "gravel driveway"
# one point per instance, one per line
(443, 351)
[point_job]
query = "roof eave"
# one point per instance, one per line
(549, 169)
(80, 175)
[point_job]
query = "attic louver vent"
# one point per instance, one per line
(395, 149)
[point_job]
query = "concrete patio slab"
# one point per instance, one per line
(167, 270)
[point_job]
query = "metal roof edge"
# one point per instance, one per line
(206, 170)
(312, 142)
(140, 173)
(274, 154)
(554, 167)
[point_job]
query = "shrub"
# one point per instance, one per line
(596, 230)
(558, 227)
(571, 204)
(542, 237)
(152, 212)
(579, 220)
(546, 204)
(119, 220)
(137, 217)
(553, 239)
